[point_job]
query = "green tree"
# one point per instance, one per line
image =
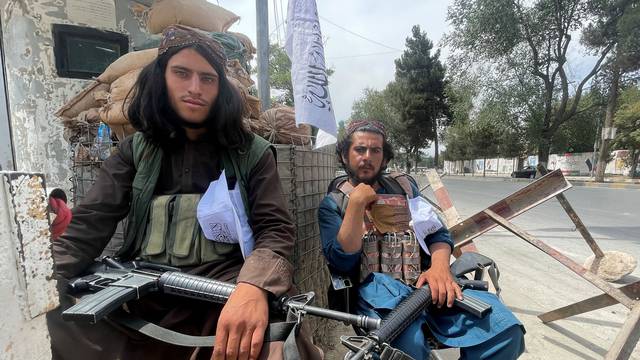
(422, 104)
(484, 133)
(280, 74)
(617, 22)
(376, 105)
(627, 120)
(530, 37)
(579, 133)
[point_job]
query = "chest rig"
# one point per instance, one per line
(389, 244)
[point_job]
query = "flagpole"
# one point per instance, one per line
(262, 25)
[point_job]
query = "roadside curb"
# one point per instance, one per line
(574, 182)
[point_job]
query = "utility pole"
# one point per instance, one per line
(262, 25)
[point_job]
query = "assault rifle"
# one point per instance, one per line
(111, 284)
(115, 284)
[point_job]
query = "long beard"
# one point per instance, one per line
(355, 179)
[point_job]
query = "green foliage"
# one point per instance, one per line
(419, 92)
(526, 45)
(280, 74)
(377, 105)
(458, 138)
(579, 133)
(627, 119)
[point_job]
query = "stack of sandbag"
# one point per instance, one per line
(80, 115)
(278, 125)
(107, 96)
(198, 14)
(122, 75)
(103, 99)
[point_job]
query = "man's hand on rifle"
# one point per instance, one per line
(242, 323)
(444, 288)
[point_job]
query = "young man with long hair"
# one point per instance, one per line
(189, 122)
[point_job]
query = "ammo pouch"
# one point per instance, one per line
(173, 236)
(396, 254)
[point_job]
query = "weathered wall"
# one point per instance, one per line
(35, 91)
(27, 289)
(570, 164)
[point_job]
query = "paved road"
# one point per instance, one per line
(611, 215)
(534, 283)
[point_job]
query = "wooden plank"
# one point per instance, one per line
(534, 194)
(627, 338)
(448, 210)
(594, 303)
(564, 260)
(576, 220)
(444, 200)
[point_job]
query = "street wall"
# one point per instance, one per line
(571, 164)
(27, 287)
(34, 92)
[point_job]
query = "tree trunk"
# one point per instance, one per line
(608, 123)
(484, 167)
(435, 155)
(635, 154)
(543, 151)
(407, 161)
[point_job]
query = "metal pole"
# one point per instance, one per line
(262, 24)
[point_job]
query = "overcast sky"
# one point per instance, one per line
(386, 22)
(361, 63)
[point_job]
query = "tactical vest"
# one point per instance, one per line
(396, 254)
(164, 229)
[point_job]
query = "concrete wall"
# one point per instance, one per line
(571, 164)
(27, 288)
(35, 91)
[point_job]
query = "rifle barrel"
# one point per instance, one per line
(195, 287)
(361, 321)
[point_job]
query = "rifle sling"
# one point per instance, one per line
(279, 331)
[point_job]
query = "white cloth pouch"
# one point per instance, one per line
(424, 220)
(222, 216)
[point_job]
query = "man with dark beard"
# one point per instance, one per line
(190, 134)
(368, 236)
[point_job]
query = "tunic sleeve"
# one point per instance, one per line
(268, 266)
(95, 219)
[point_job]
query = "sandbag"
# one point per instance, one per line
(122, 131)
(126, 63)
(278, 125)
(244, 93)
(121, 86)
(253, 107)
(246, 43)
(194, 13)
(81, 126)
(85, 100)
(115, 113)
(236, 71)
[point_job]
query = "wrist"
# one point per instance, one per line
(250, 289)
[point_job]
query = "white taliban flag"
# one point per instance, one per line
(308, 72)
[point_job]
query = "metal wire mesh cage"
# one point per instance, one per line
(305, 175)
(87, 156)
